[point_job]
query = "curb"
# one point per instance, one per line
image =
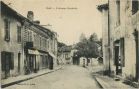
(22, 80)
(101, 86)
(129, 82)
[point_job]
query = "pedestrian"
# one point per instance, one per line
(83, 62)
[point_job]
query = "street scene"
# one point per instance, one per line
(70, 77)
(69, 44)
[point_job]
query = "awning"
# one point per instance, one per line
(51, 54)
(35, 52)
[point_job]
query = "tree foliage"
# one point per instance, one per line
(88, 47)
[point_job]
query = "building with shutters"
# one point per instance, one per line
(26, 46)
(121, 34)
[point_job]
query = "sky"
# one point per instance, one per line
(69, 18)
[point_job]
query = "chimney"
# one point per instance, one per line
(30, 15)
(37, 22)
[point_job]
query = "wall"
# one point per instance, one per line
(105, 38)
(12, 45)
(125, 30)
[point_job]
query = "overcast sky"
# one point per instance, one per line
(69, 18)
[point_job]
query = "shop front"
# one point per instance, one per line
(51, 58)
(31, 62)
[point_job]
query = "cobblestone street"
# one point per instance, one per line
(70, 77)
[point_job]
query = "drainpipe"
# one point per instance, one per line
(109, 51)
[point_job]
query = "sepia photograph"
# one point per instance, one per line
(69, 44)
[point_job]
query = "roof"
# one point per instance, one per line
(66, 48)
(9, 11)
(103, 6)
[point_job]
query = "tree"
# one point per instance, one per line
(88, 47)
(60, 45)
(82, 38)
(93, 37)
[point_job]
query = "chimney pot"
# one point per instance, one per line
(30, 15)
(37, 22)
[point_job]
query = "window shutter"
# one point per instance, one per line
(3, 61)
(12, 61)
(122, 52)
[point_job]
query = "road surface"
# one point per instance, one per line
(70, 77)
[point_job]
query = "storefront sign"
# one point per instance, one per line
(35, 52)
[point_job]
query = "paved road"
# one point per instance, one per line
(70, 77)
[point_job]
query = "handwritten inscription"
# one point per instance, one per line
(61, 8)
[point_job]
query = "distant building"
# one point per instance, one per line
(26, 46)
(65, 56)
(123, 37)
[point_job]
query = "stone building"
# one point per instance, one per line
(123, 37)
(26, 46)
(65, 56)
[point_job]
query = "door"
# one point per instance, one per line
(7, 64)
(137, 54)
(50, 62)
(118, 59)
(19, 60)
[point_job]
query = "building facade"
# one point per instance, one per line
(123, 37)
(26, 46)
(65, 56)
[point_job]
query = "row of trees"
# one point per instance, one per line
(88, 47)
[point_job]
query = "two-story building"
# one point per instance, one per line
(121, 19)
(26, 46)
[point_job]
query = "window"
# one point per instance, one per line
(48, 44)
(45, 43)
(7, 29)
(40, 42)
(134, 6)
(18, 34)
(118, 12)
(30, 36)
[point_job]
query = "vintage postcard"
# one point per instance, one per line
(69, 44)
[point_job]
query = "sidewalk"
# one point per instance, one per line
(108, 83)
(21, 78)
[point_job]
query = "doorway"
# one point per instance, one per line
(118, 60)
(19, 60)
(137, 54)
(7, 63)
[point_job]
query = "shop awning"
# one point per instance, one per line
(35, 52)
